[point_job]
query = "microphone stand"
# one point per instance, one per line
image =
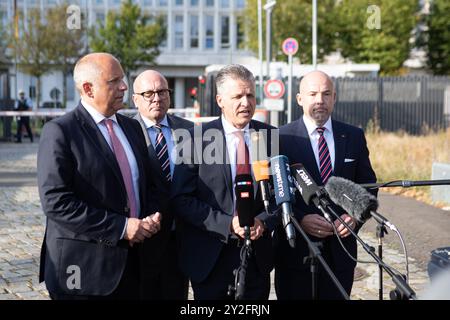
(240, 273)
(406, 184)
(315, 254)
(403, 290)
(381, 230)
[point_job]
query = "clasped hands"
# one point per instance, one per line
(318, 226)
(255, 232)
(140, 229)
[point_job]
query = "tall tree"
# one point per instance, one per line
(130, 36)
(293, 18)
(31, 48)
(65, 44)
(437, 37)
(376, 31)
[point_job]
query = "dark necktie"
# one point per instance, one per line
(324, 156)
(162, 152)
(242, 155)
(124, 166)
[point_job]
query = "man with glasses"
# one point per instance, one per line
(152, 98)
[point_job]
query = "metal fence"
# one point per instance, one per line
(414, 104)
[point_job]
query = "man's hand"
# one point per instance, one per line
(341, 229)
(154, 222)
(137, 231)
(255, 232)
(316, 225)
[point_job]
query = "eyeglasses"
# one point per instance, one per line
(150, 95)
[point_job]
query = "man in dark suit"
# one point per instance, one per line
(152, 98)
(325, 147)
(203, 197)
(95, 189)
(23, 104)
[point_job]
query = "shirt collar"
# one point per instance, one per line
(149, 123)
(228, 128)
(311, 126)
(97, 116)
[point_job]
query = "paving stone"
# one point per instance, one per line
(7, 296)
(18, 287)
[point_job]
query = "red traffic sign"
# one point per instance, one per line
(290, 46)
(274, 89)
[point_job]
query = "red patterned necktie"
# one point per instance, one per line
(124, 166)
(242, 155)
(324, 156)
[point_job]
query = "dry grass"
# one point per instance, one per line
(399, 156)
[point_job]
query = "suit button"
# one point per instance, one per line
(126, 210)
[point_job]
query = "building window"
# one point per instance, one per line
(240, 4)
(194, 3)
(148, 2)
(178, 31)
(116, 2)
(100, 17)
(225, 32)
(240, 32)
(194, 31)
(210, 3)
(162, 3)
(163, 43)
(225, 3)
(179, 2)
(209, 32)
(98, 2)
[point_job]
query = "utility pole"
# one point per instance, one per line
(260, 52)
(269, 8)
(314, 34)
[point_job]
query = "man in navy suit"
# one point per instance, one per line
(203, 197)
(152, 97)
(96, 191)
(325, 147)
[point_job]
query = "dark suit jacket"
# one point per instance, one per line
(203, 199)
(84, 198)
(155, 248)
(350, 143)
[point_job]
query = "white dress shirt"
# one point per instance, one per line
(98, 118)
(232, 144)
(167, 132)
(314, 138)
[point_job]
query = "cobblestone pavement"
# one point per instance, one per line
(22, 228)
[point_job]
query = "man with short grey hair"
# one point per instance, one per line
(204, 198)
(96, 191)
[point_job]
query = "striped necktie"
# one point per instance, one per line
(324, 156)
(124, 166)
(162, 152)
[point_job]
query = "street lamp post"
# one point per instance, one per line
(260, 52)
(314, 34)
(269, 8)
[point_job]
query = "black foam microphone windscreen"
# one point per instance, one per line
(243, 189)
(353, 198)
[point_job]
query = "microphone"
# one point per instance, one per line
(355, 200)
(305, 184)
(260, 165)
(243, 189)
(284, 195)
